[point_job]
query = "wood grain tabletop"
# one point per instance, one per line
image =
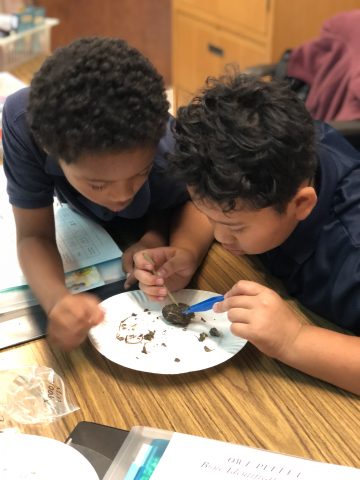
(250, 399)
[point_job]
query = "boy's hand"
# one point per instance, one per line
(174, 268)
(148, 241)
(71, 318)
(261, 316)
(128, 262)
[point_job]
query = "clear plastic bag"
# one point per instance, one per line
(33, 394)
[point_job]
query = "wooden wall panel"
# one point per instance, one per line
(145, 24)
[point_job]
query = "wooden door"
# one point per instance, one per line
(145, 24)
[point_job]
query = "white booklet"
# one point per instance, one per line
(164, 455)
(82, 242)
(190, 457)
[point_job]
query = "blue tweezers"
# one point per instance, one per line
(205, 305)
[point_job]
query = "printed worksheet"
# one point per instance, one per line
(188, 456)
(81, 242)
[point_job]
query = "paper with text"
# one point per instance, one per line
(193, 457)
(81, 242)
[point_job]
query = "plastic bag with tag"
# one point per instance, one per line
(33, 394)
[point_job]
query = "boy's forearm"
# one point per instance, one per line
(42, 266)
(190, 229)
(328, 355)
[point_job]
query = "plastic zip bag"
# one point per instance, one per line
(33, 394)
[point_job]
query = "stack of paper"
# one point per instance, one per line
(90, 256)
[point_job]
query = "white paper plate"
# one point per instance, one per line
(29, 457)
(173, 349)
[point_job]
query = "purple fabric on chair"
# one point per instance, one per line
(330, 65)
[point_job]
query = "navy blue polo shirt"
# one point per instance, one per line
(33, 177)
(320, 262)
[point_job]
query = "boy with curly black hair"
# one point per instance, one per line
(94, 128)
(276, 185)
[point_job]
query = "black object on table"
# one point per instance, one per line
(98, 443)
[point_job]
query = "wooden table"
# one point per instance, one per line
(251, 399)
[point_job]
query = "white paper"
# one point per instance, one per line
(199, 458)
(81, 242)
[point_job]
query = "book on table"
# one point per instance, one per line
(90, 256)
(160, 455)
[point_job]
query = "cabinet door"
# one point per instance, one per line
(145, 24)
(251, 15)
(200, 50)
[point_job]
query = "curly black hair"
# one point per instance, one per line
(244, 139)
(97, 94)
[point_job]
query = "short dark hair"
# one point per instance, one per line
(97, 94)
(244, 139)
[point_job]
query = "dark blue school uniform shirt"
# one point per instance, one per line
(320, 262)
(33, 176)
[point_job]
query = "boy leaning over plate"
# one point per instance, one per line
(277, 185)
(94, 129)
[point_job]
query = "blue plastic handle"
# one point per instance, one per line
(205, 305)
